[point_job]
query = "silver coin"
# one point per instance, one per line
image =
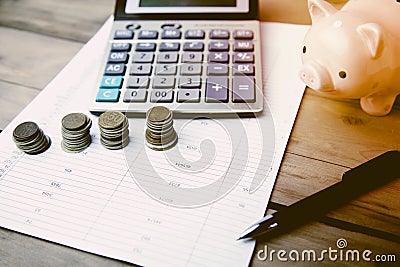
(115, 146)
(39, 142)
(114, 130)
(118, 136)
(36, 144)
(75, 131)
(76, 148)
(74, 121)
(84, 130)
(163, 146)
(159, 124)
(32, 141)
(41, 147)
(160, 133)
(29, 138)
(25, 131)
(161, 127)
(77, 142)
(117, 131)
(160, 136)
(111, 120)
(160, 140)
(158, 114)
(110, 143)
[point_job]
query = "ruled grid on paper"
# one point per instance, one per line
(91, 200)
(63, 189)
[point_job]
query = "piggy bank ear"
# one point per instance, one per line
(320, 9)
(371, 34)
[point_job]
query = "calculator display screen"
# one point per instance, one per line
(194, 3)
(187, 6)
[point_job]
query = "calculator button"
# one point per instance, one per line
(243, 89)
(243, 46)
(111, 82)
(161, 95)
(118, 57)
(135, 95)
(140, 69)
(149, 47)
(171, 34)
(169, 46)
(115, 69)
(192, 57)
(217, 89)
(164, 82)
(243, 34)
(167, 57)
(147, 34)
(143, 57)
(243, 57)
(188, 95)
(165, 69)
(120, 47)
(217, 69)
(191, 69)
(107, 95)
(138, 82)
(123, 34)
(219, 46)
(219, 57)
(195, 34)
(243, 69)
(219, 34)
(190, 82)
(193, 46)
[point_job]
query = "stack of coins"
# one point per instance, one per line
(114, 130)
(30, 138)
(160, 132)
(75, 131)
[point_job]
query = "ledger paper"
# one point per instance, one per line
(91, 200)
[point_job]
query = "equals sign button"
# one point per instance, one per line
(243, 87)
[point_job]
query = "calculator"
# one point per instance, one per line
(192, 56)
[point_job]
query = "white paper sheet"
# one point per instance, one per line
(92, 200)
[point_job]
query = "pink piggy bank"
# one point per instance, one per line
(354, 52)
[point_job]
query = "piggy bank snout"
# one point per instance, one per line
(316, 76)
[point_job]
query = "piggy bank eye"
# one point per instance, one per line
(304, 49)
(343, 74)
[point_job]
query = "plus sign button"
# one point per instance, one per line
(217, 89)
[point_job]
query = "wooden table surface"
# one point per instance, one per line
(39, 37)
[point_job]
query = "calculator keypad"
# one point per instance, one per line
(179, 65)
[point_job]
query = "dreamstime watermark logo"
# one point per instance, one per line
(339, 253)
(212, 156)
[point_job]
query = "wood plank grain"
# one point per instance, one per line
(289, 11)
(68, 19)
(379, 209)
(338, 131)
(300, 177)
(23, 250)
(13, 98)
(32, 60)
